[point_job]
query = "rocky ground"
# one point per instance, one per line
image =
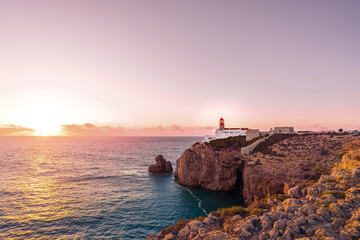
(327, 209)
(297, 160)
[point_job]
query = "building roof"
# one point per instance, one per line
(236, 128)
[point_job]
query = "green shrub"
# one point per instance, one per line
(320, 237)
(257, 211)
(200, 218)
(175, 228)
(280, 197)
(234, 210)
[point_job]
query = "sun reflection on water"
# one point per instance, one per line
(43, 196)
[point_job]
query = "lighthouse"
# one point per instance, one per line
(223, 132)
(221, 124)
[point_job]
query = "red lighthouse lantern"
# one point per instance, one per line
(221, 124)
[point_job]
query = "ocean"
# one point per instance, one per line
(95, 188)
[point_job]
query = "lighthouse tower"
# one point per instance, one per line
(221, 124)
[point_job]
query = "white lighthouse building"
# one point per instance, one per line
(250, 134)
(223, 132)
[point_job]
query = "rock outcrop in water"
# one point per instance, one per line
(275, 166)
(327, 209)
(161, 166)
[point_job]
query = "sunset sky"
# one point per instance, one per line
(74, 67)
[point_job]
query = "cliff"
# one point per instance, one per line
(213, 166)
(275, 165)
(327, 209)
(201, 166)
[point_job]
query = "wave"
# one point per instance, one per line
(90, 178)
(199, 201)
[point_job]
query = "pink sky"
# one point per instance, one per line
(131, 65)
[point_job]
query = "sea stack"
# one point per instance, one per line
(161, 166)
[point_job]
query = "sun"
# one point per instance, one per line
(44, 123)
(43, 117)
(47, 129)
(45, 110)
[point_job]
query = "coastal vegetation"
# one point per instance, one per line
(280, 197)
(336, 193)
(264, 146)
(176, 227)
(234, 210)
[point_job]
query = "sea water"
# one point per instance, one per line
(95, 188)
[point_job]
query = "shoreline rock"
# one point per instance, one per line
(161, 166)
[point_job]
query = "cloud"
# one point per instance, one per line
(15, 130)
(89, 129)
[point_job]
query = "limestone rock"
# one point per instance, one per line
(274, 233)
(170, 236)
(161, 166)
(168, 167)
(195, 225)
(280, 224)
(217, 235)
(184, 233)
(202, 166)
(295, 192)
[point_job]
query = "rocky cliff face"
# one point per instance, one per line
(328, 209)
(203, 166)
(279, 163)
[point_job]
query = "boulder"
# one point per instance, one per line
(161, 166)
(184, 233)
(295, 192)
